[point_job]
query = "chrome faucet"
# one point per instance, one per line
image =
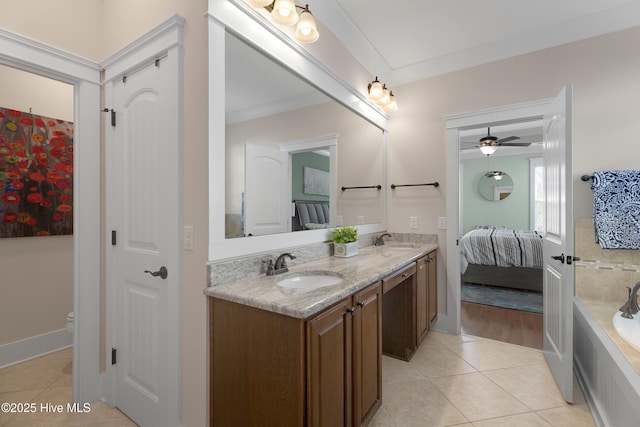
(280, 266)
(631, 306)
(380, 239)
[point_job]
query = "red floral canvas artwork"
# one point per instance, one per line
(36, 175)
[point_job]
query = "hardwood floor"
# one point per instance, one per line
(502, 324)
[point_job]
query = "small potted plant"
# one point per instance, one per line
(345, 241)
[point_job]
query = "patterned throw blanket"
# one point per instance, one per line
(616, 209)
(501, 247)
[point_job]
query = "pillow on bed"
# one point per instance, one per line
(486, 227)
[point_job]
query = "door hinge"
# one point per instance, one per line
(113, 115)
(114, 352)
(113, 237)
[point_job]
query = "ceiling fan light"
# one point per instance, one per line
(375, 89)
(260, 3)
(284, 12)
(488, 150)
(306, 30)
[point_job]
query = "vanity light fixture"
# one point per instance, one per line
(306, 30)
(382, 96)
(284, 12)
(393, 104)
(375, 89)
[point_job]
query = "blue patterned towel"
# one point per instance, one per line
(616, 208)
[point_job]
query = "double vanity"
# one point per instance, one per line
(305, 347)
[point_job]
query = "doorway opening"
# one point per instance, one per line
(501, 232)
(29, 55)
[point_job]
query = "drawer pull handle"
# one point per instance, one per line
(361, 303)
(351, 310)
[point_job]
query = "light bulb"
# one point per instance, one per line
(284, 12)
(386, 97)
(375, 89)
(393, 104)
(306, 30)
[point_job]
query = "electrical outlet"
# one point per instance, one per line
(338, 220)
(188, 237)
(442, 223)
(413, 222)
(360, 220)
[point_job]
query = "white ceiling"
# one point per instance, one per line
(408, 40)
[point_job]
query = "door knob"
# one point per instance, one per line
(559, 258)
(162, 272)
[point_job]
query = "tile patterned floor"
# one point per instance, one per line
(450, 381)
(469, 381)
(47, 380)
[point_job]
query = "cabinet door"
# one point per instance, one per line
(433, 286)
(329, 364)
(367, 352)
(422, 298)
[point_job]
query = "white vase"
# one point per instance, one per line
(345, 250)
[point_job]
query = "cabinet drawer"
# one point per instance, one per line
(398, 277)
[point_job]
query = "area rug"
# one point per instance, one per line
(514, 299)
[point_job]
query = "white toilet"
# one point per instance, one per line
(69, 326)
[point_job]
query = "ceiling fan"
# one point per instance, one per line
(488, 144)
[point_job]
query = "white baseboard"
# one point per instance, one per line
(28, 348)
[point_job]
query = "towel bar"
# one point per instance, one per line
(371, 186)
(586, 178)
(394, 186)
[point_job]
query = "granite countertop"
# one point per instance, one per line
(371, 264)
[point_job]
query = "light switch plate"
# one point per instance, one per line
(188, 237)
(413, 222)
(442, 223)
(338, 220)
(360, 220)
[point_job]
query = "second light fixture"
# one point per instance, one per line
(382, 96)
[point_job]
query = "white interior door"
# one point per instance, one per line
(267, 191)
(558, 290)
(145, 183)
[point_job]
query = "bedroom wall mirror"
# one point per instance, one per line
(495, 185)
(290, 147)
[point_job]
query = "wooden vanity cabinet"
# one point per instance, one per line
(426, 294)
(344, 361)
(268, 369)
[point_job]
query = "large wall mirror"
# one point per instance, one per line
(495, 185)
(322, 114)
(289, 150)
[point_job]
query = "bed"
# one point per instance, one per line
(310, 215)
(502, 257)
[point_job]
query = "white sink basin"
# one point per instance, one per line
(309, 280)
(628, 329)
